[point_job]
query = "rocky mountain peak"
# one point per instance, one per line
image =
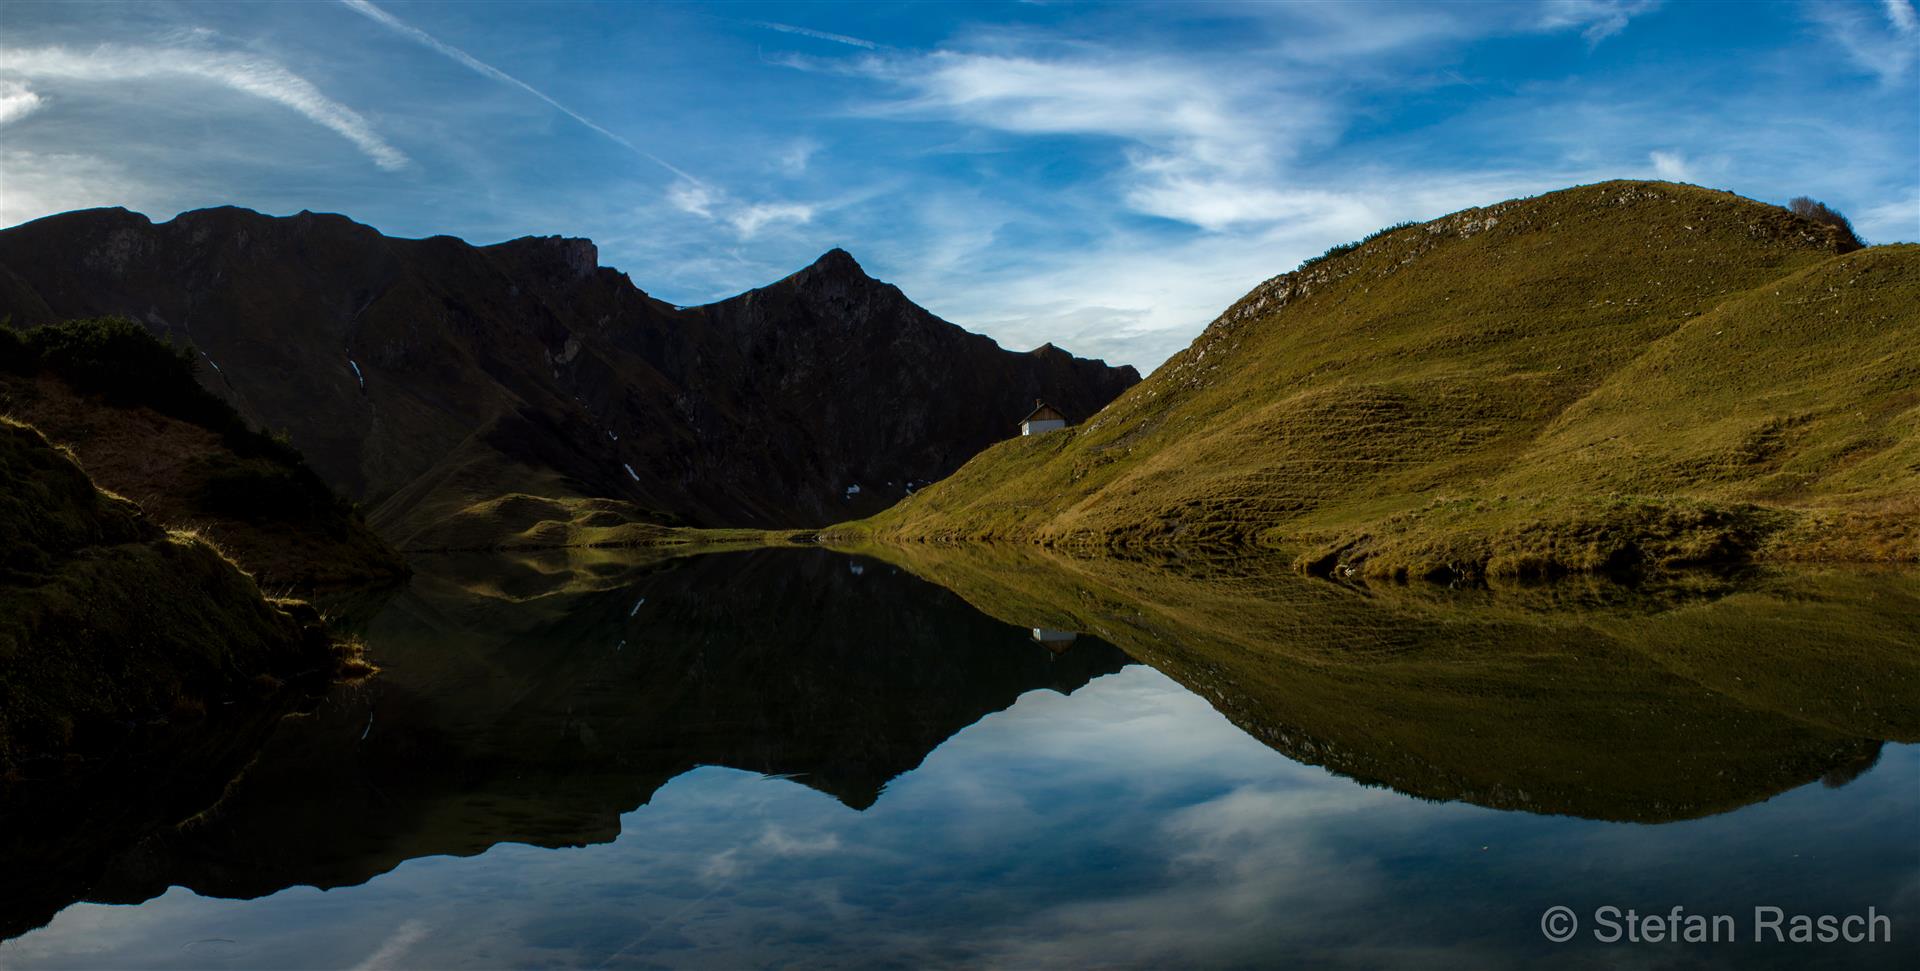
(837, 262)
(566, 258)
(417, 374)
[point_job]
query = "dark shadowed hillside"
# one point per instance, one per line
(424, 376)
(128, 406)
(139, 669)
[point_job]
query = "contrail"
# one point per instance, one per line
(817, 34)
(481, 67)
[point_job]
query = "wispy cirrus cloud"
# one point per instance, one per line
(246, 73)
(482, 68)
(1193, 146)
(1884, 46)
(1900, 13)
(688, 193)
(747, 219)
(1597, 20)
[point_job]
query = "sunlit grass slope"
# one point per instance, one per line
(1618, 374)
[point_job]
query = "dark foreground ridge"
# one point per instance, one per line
(138, 670)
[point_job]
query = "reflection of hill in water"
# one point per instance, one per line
(542, 720)
(537, 701)
(1589, 700)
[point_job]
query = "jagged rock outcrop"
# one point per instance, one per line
(422, 376)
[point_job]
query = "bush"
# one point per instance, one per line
(1814, 210)
(121, 361)
(1344, 248)
(1331, 252)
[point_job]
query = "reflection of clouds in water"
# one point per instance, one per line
(778, 841)
(724, 865)
(1129, 824)
(391, 951)
(1253, 860)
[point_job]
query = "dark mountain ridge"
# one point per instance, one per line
(422, 376)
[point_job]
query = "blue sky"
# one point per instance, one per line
(1106, 177)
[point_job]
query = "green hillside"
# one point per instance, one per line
(1617, 374)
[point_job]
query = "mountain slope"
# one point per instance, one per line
(424, 376)
(109, 624)
(139, 672)
(1607, 374)
(128, 406)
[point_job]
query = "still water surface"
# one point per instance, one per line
(799, 758)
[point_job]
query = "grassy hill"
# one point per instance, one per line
(128, 405)
(1621, 374)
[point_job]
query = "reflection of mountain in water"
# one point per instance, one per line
(1602, 702)
(535, 702)
(543, 720)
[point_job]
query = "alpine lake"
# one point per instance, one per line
(937, 757)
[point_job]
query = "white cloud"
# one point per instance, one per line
(35, 184)
(17, 101)
(797, 155)
(690, 196)
(1671, 166)
(245, 73)
(746, 218)
(749, 220)
(1195, 146)
(1223, 204)
(1173, 107)
(1597, 19)
(1900, 14)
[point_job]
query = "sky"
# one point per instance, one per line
(1107, 177)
